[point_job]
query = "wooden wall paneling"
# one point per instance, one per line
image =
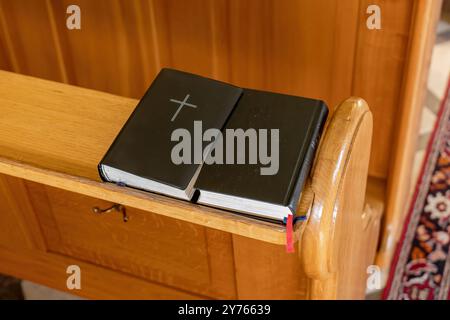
(294, 47)
(191, 35)
(378, 76)
(30, 39)
(4, 62)
(263, 44)
(5, 44)
(19, 228)
(159, 28)
(220, 22)
(249, 42)
(345, 26)
(114, 49)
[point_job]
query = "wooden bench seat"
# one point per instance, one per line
(52, 136)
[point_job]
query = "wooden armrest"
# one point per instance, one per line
(336, 220)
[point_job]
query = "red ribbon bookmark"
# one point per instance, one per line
(289, 234)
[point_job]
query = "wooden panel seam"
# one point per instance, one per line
(8, 42)
(56, 42)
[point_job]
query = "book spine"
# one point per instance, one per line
(309, 157)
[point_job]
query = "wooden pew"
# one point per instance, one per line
(52, 137)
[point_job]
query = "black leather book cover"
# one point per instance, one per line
(300, 122)
(174, 100)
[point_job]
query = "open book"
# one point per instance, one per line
(206, 141)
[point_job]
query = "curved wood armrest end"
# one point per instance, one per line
(336, 222)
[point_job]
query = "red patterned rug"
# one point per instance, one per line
(421, 266)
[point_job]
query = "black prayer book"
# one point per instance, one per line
(246, 187)
(238, 149)
(140, 156)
